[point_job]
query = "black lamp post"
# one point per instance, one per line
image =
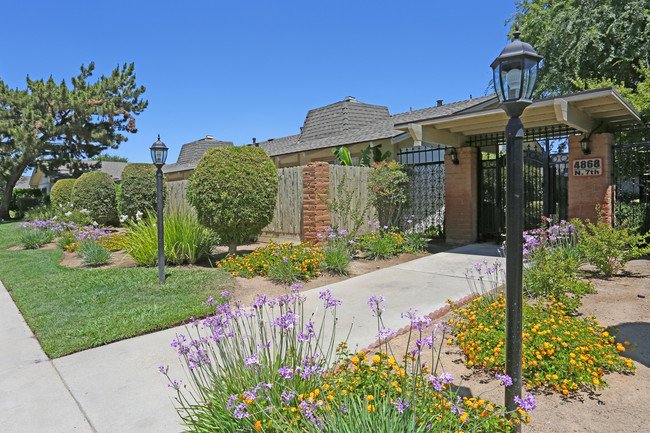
(515, 73)
(159, 156)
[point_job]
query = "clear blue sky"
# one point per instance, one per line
(243, 69)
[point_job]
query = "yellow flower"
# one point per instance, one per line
(376, 359)
(370, 397)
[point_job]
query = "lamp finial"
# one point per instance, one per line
(517, 32)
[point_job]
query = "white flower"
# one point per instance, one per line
(68, 213)
(123, 218)
(138, 215)
(95, 223)
(85, 211)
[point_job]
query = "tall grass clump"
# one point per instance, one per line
(270, 368)
(186, 240)
(92, 253)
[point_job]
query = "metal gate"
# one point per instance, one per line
(545, 186)
(427, 199)
(632, 172)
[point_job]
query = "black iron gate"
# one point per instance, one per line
(427, 199)
(632, 172)
(545, 186)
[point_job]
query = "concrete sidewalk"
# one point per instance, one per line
(117, 387)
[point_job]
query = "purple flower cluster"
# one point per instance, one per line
(328, 299)
(528, 403)
(400, 404)
(375, 304)
(504, 378)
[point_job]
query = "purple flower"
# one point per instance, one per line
(504, 378)
(328, 299)
(252, 361)
(527, 404)
(420, 323)
(286, 372)
(385, 333)
(163, 369)
(400, 404)
(375, 305)
(240, 411)
(286, 321)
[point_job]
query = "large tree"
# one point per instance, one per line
(48, 125)
(586, 40)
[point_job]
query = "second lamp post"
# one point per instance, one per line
(515, 73)
(159, 156)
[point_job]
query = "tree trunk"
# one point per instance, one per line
(232, 248)
(11, 180)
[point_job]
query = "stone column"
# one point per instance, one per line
(461, 196)
(316, 216)
(587, 192)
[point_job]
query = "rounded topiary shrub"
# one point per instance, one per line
(95, 193)
(234, 190)
(138, 191)
(61, 193)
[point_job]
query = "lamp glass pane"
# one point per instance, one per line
(498, 84)
(158, 156)
(513, 83)
(532, 77)
(164, 156)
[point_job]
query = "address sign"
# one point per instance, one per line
(587, 167)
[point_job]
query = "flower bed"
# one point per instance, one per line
(268, 368)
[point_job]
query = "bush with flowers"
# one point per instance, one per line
(268, 368)
(560, 352)
(382, 242)
(303, 258)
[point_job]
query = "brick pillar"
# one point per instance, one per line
(587, 192)
(461, 196)
(316, 216)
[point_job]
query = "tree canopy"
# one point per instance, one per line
(48, 125)
(586, 40)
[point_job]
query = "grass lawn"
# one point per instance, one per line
(74, 309)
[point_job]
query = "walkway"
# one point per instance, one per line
(117, 387)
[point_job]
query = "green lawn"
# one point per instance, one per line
(75, 309)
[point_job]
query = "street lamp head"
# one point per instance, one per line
(515, 73)
(158, 153)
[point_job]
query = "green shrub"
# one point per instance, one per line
(33, 239)
(24, 199)
(92, 253)
(186, 241)
(634, 215)
(337, 260)
(42, 213)
(389, 185)
(95, 192)
(383, 243)
(61, 193)
(234, 190)
(609, 248)
(138, 190)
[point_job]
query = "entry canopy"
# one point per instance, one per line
(584, 112)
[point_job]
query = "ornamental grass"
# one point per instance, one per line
(560, 352)
(302, 260)
(270, 368)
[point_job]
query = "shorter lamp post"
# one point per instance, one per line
(159, 156)
(515, 73)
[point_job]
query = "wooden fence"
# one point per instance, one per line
(287, 216)
(348, 189)
(349, 192)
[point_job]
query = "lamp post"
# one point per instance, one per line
(159, 156)
(515, 73)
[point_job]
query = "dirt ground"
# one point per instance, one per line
(621, 302)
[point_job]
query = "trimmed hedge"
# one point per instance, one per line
(61, 193)
(234, 190)
(24, 199)
(95, 191)
(138, 191)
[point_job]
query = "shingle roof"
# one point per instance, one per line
(340, 117)
(23, 182)
(193, 151)
(111, 167)
(381, 127)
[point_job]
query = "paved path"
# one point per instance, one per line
(117, 387)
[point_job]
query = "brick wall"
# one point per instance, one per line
(461, 196)
(585, 193)
(316, 217)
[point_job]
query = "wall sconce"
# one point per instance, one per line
(584, 145)
(453, 155)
